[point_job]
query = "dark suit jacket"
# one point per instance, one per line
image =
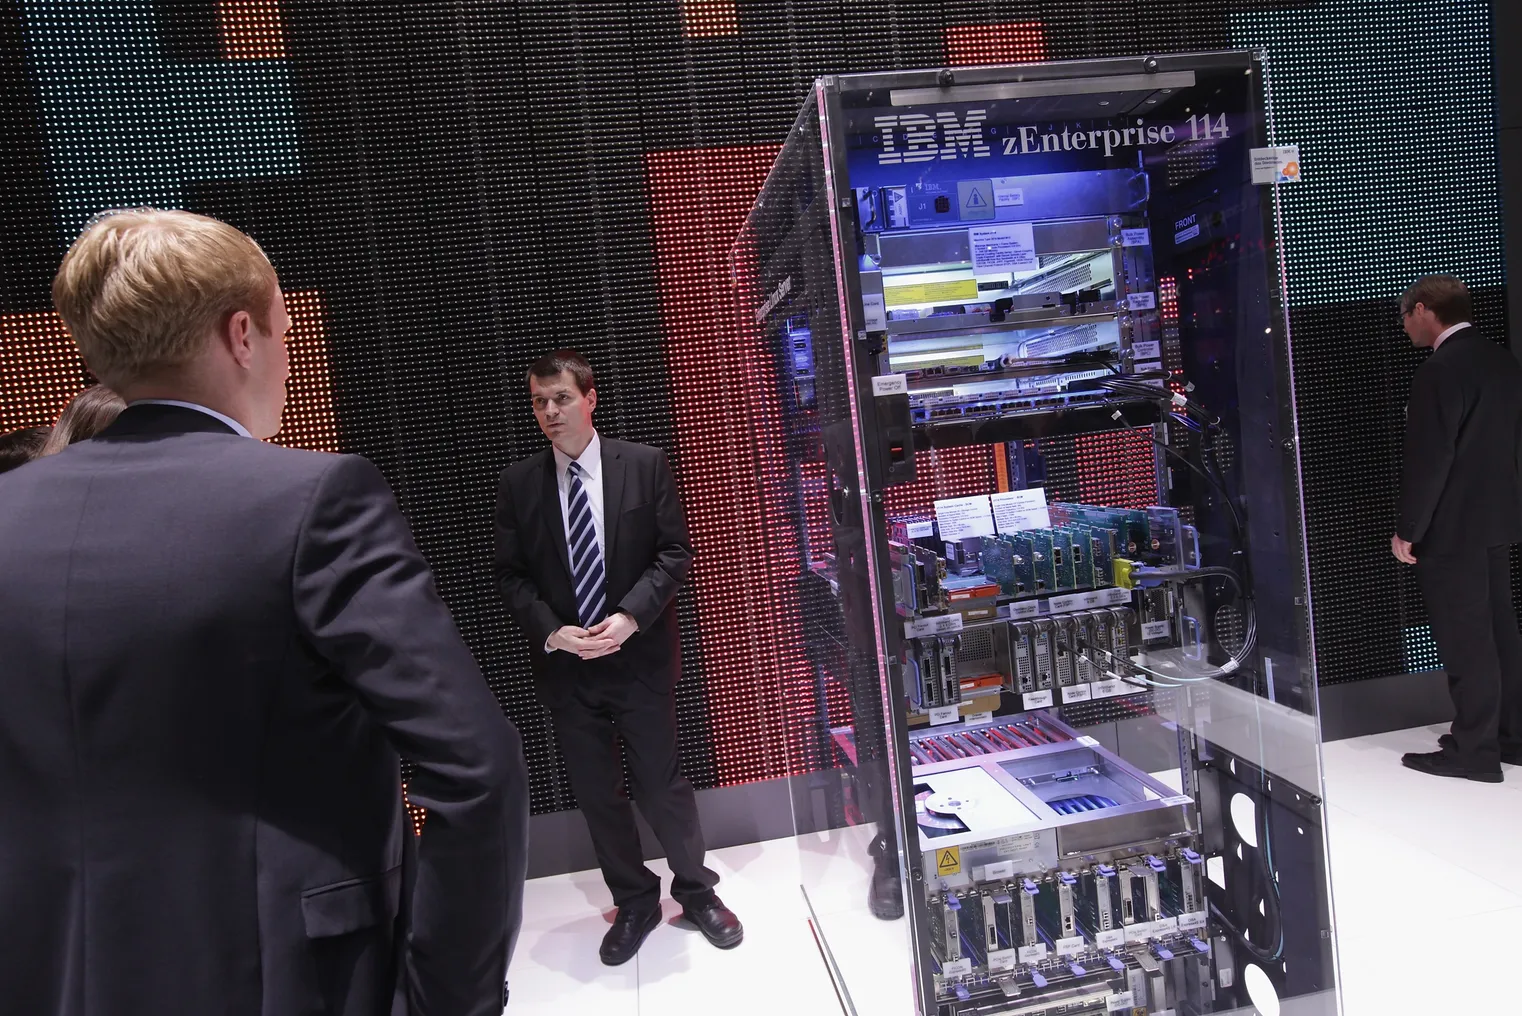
(1462, 479)
(212, 652)
(647, 558)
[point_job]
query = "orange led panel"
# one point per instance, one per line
(708, 18)
(1017, 42)
(250, 30)
(309, 420)
(41, 369)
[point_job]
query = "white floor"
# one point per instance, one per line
(1414, 859)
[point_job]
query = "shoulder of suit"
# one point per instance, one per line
(630, 449)
(527, 464)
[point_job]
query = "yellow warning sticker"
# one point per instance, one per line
(931, 292)
(948, 861)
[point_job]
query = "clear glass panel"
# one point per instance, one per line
(1040, 422)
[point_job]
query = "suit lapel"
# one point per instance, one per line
(612, 497)
(554, 523)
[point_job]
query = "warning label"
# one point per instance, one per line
(976, 199)
(948, 861)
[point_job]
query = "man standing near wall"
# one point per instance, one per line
(591, 550)
(1460, 512)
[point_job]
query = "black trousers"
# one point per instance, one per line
(1468, 596)
(603, 711)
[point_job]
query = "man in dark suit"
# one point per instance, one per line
(1460, 512)
(214, 652)
(591, 550)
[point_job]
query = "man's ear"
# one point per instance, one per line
(235, 334)
(592, 397)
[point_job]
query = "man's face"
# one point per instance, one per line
(1421, 325)
(270, 369)
(563, 412)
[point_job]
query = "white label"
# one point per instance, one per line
(1071, 946)
(1002, 959)
(1124, 1000)
(1088, 742)
(1154, 630)
(1006, 194)
(1185, 235)
(921, 530)
(1192, 922)
(1015, 510)
(1038, 699)
(961, 518)
(1110, 939)
(998, 870)
(1151, 350)
(984, 717)
(1150, 365)
(1075, 601)
(1112, 687)
(1276, 165)
(1033, 953)
(1009, 246)
(961, 968)
(1077, 693)
(1135, 238)
(1142, 301)
(944, 715)
(890, 384)
(874, 312)
(1178, 799)
(1115, 596)
(1024, 609)
(944, 624)
(1139, 932)
(1165, 926)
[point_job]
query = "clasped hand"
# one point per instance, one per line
(602, 639)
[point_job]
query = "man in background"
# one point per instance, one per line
(1460, 512)
(215, 652)
(591, 550)
(21, 446)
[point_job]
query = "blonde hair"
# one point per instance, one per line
(141, 289)
(87, 414)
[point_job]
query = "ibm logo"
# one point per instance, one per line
(927, 138)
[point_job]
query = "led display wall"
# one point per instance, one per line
(451, 189)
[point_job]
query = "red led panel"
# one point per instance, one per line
(1117, 469)
(250, 29)
(1018, 42)
(1167, 296)
(309, 420)
(745, 571)
(941, 473)
(41, 368)
(816, 506)
(708, 18)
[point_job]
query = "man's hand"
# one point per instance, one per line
(586, 644)
(1402, 550)
(615, 628)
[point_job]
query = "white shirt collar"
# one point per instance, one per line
(234, 424)
(1447, 332)
(590, 458)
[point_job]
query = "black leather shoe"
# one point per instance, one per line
(630, 929)
(885, 896)
(717, 923)
(1437, 763)
(1511, 758)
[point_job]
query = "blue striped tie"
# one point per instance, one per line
(586, 557)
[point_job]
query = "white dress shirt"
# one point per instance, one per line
(234, 424)
(1447, 332)
(590, 461)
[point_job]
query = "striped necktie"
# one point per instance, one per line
(586, 558)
